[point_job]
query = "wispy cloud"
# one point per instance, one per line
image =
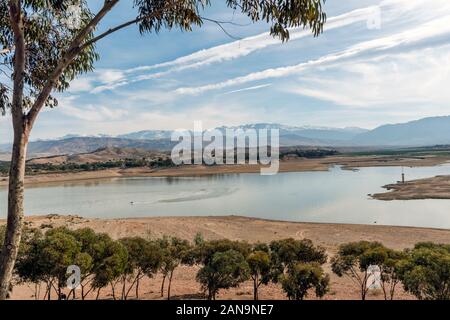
(227, 52)
(90, 112)
(393, 79)
(392, 10)
(249, 88)
(378, 46)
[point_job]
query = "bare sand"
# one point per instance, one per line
(430, 188)
(248, 229)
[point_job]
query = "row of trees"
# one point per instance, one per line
(424, 270)
(296, 265)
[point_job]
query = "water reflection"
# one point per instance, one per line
(339, 196)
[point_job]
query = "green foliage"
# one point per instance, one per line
(354, 259)
(113, 265)
(198, 239)
(204, 253)
(260, 268)
(47, 37)
(303, 277)
(224, 270)
(307, 153)
(2, 235)
(426, 271)
(46, 258)
(389, 272)
(224, 264)
(144, 259)
(4, 168)
(175, 252)
(287, 253)
(281, 14)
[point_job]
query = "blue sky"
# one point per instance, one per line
(377, 62)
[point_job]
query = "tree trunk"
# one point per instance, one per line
(170, 284)
(124, 292)
(15, 209)
(137, 288)
(17, 168)
(113, 291)
(162, 285)
(59, 291)
(363, 292)
(255, 289)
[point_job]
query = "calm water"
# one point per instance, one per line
(337, 196)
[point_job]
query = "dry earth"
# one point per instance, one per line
(241, 228)
(430, 188)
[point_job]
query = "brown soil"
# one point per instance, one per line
(430, 188)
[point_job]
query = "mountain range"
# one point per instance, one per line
(423, 132)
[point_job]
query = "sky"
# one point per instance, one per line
(377, 62)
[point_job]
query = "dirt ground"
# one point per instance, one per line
(240, 228)
(430, 188)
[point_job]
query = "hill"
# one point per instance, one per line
(102, 155)
(423, 132)
(89, 144)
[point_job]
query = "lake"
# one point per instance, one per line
(336, 196)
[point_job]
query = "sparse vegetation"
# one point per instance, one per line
(296, 265)
(303, 277)
(425, 272)
(355, 259)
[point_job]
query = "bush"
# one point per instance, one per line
(426, 271)
(223, 271)
(305, 276)
(260, 269)
(354, 259)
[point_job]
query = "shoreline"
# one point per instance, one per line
(291, 165)
(437, 188)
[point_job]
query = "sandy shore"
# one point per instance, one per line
(292, 165)
(430, 188)
(248, 229)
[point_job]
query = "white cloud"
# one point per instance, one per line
(90, 112)
(249, 88)
(228, 51)
(98, 79)
(391, 80)
(422, 32)
(392, 11)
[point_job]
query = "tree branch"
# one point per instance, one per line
(78, 46)
(5, 51)
(16, 18)
(126, 24)
(74, 49)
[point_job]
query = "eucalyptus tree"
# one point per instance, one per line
(425, 272)
(144, 259)
(354, 261)
(303, 277)
(42, 50)
(260, 269)
(175, 252)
